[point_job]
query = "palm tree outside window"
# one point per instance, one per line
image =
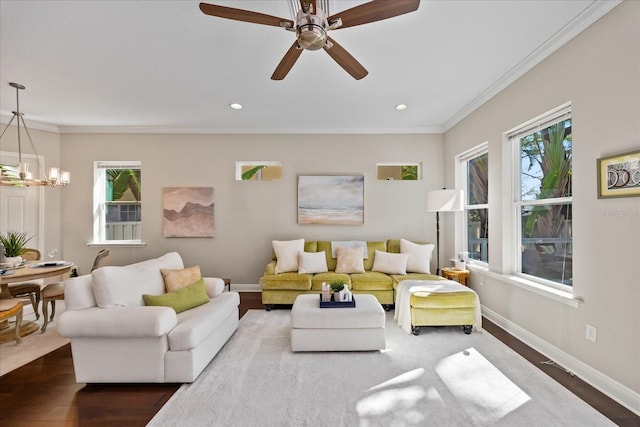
(117, 202)
(544, 198)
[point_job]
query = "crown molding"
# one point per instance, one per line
(596, 10)
(31, 124)
(201, 131)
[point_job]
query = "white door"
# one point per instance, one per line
(21, 208)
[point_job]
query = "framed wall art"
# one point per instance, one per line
(619, 175)
(187, 211)
(328, 199)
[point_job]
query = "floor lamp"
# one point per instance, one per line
(443, 201)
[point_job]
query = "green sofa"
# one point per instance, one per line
(283, 288)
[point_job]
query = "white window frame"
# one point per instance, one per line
(99, 202)
(462, 160)
(513, 239)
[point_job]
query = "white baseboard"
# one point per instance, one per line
(245, 287)
(616, 391)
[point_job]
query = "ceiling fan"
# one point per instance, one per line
(312, 25)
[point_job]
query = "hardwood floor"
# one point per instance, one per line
(44, 392)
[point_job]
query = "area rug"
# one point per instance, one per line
(440, 378)
(33, 346)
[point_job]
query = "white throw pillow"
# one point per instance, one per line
(312, 262)
(419, 256)
(287, 254)
(123, 286)
(389, 263)
(349, 260)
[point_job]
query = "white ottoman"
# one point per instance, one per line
(337, 329)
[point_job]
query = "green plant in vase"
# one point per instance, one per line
(337, 285)
(14, 244)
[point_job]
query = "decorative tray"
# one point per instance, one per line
(336, 304)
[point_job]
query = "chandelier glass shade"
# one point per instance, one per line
(19, 175)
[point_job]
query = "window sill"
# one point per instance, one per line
(563, 297)
(120, 244)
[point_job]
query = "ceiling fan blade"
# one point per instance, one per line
(304, 5)
(244, 15)
(287, 62)
(345, 60)
(376, 10)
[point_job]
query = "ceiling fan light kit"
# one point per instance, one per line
(312, 24)
(311, 31)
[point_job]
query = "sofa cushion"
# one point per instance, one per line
(325, 246)
(385, 262)
(182, 299)
(312, 262)
(328, 277)
(353, 244)
(372, 247)
(180, 278)
(123, 286)
(195, 325)
(288, 281)
(309, 246)
(287, 254)
(371, 281)
(419, 256)
(397, 278)
(349, 260)
(393, 245)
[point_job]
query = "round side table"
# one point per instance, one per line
(460, 276)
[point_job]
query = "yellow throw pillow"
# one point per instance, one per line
(181, 278)
(349, 260)
(182, 299)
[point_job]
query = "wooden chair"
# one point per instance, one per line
(30, 289)
(55, 291)
(12, 308)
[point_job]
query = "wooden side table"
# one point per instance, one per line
(460, 276)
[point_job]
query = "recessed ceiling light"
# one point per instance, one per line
(401, 107)
(235, 106)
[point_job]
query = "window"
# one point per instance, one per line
(543, 200)
(474, 170)
(406, 171)
(117, 202)
(258, 171)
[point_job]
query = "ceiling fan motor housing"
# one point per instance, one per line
(311, 30)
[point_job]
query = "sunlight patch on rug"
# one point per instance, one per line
(484, 392)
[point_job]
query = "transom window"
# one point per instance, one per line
(406, 171)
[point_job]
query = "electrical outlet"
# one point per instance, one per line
(591, 333)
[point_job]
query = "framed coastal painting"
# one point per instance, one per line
(619, 175)
(331, 199)
(187, 211)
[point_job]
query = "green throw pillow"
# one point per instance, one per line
(182, 299)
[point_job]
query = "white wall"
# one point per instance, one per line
(599, 73)
(249, 214)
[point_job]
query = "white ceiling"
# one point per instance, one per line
(163, 66)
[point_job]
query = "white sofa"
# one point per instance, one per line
(116, 338)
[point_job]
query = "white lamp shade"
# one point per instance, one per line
(445, 200)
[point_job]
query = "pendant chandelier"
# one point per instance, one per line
(19, 175)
